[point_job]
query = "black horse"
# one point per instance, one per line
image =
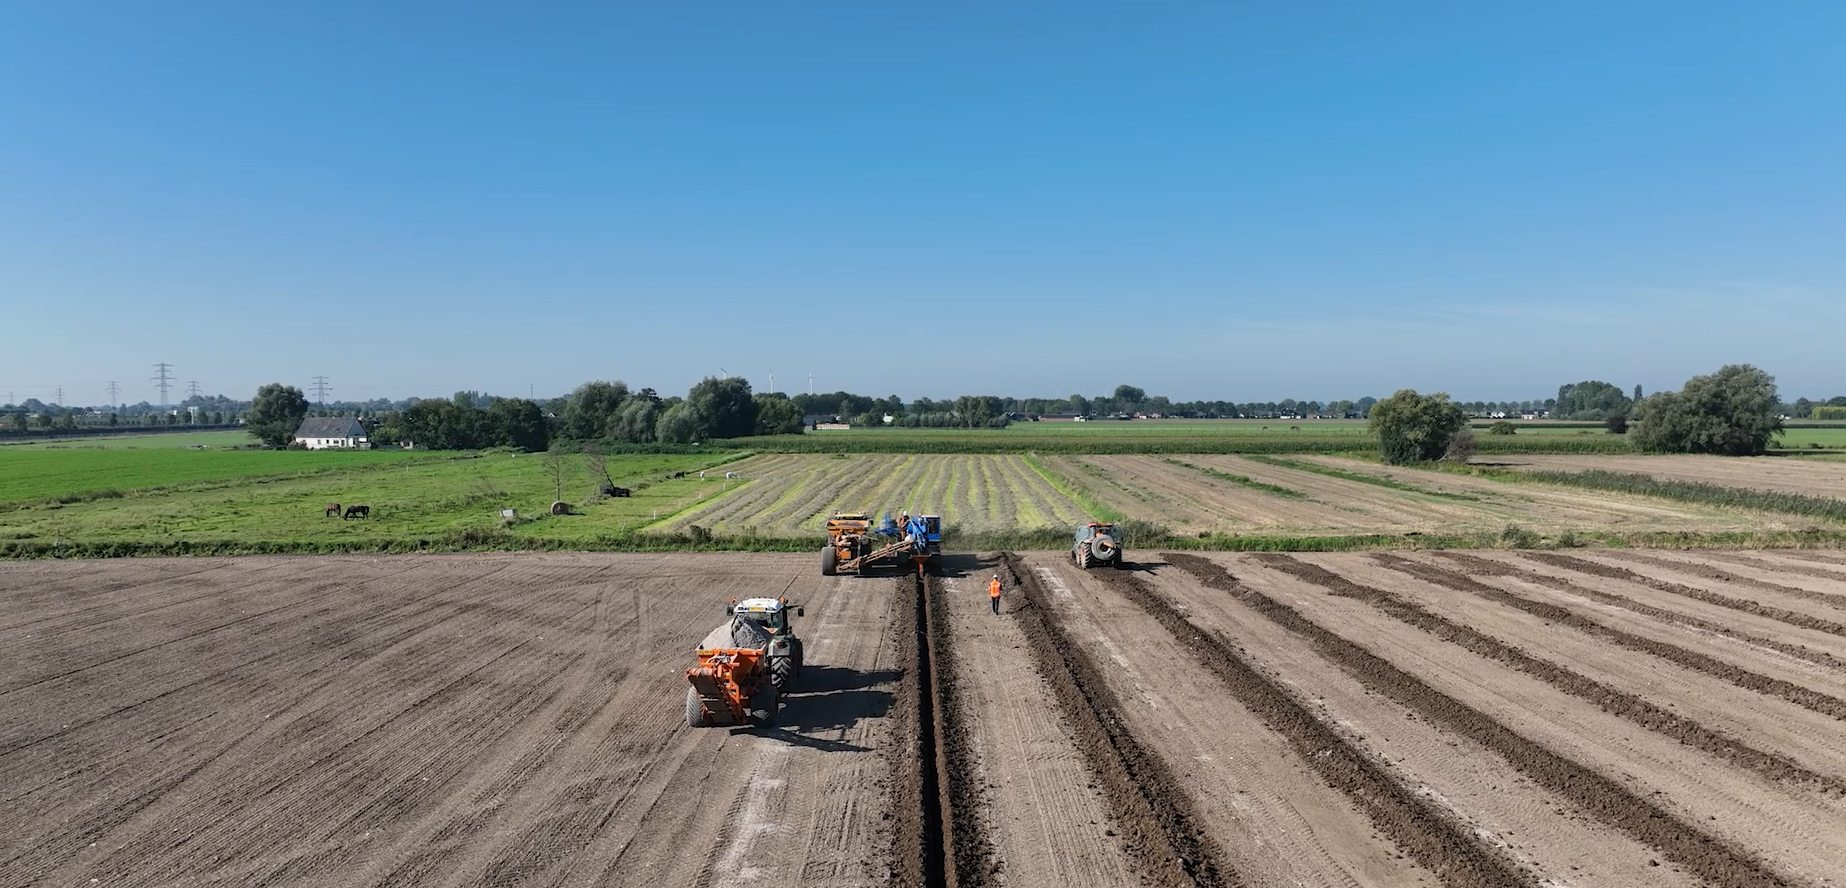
(357, 512)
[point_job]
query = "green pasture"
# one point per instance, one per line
(144, 441)
(409, 497)
(29, 475)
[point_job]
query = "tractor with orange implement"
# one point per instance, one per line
(745, 665)
(855, 545)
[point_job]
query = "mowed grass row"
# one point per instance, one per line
(791, 496)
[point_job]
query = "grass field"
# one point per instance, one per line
(131, 441)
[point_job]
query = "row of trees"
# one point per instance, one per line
(1733, 412)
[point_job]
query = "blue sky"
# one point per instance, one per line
(1309, 200)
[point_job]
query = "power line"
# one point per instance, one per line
(320, 390)
(164, 380)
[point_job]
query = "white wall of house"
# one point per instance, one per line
(331, 443)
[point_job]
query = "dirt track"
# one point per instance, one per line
(1457, 719)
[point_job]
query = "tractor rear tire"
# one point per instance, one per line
(782, 672)
(764, 699)
(695, 711)
(1083, 558)
(829, 561)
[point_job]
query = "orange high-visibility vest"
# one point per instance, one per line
(993, 589)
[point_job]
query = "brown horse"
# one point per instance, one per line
(357, 511)
(333, 510)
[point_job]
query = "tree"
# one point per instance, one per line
(679, 423)
(560, 466)
(1128, 397)
(591, 410)
(114, 420)
(1364, 405)
(777, 415)
(1415, 428)
(1732, 412)
(1617, 424)
(726, 408)
(1591, 399)
(275, 413)
(636, 420)
(517, 422)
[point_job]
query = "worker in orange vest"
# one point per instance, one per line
(993, 594)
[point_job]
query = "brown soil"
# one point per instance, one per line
(1803, 476)
(1478, 566)
(1606, 799)
(1413, 823)
(1160, 829)
(1745, 605)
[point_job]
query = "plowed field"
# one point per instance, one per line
(1584, 718)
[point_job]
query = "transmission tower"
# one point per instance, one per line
(60, 400)
(114, 390)
(192, 388)
(320, 390)
(164, 380)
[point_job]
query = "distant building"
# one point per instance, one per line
(1061, 417)
(330, 432)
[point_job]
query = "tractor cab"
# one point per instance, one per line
(1094, 528)
(771, 613)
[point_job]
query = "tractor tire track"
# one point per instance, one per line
(1608, 801)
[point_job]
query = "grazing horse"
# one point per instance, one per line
(333, 510)
(359, 511)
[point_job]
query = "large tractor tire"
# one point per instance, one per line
(1083, 558)
(800, 654)
(782, 672)
(695, 711)
(764, 700)
(829, 561)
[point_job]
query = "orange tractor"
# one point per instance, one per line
(730, 686)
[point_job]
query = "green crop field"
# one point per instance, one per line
(144, 441)
(28, 475)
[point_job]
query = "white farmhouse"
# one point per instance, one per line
(327, 432)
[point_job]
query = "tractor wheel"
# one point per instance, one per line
(1083, 558)
(695, 711)
(764, 700)
(800, 654)
(829, 561)
(782, 672)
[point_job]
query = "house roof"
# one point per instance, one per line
(330, 427)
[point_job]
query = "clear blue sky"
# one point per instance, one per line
(1249, 201)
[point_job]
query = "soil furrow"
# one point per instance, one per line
(1752, 681)
(1819, 573)
(1724, 576)
(1414, 824)
(1610, 571)
(1600, 796)
(970, 857)
(1487, 567)
(1160, 828)
(1625, 705)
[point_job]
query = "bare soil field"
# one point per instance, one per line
(1167, 490)
(1813, 477)
(1583, 718)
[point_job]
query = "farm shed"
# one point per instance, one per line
(326, 432)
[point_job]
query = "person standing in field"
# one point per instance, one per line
(993, 594)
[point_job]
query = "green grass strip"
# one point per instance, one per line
(1699, 492)
(1242, 480)
(1077, 492)
(1360, 477)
